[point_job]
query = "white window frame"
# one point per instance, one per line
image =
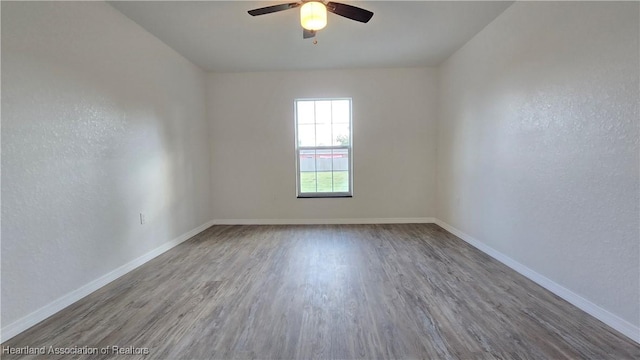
(349, 149)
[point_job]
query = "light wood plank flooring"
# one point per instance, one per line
(330, 291)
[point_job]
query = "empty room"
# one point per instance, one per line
(329, 180)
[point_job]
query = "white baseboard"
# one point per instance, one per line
(421, 220)
(616, 322)
(44, 312)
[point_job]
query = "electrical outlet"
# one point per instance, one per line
(142, 219)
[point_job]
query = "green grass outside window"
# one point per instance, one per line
(326, 181)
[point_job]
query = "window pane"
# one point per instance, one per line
(307, 135)
(323, 134)
(325, 181)
(305, 112)
(340, 134)
(308, 181)
(340, 111)
(323, 112)
(340, 159)
(340, 170)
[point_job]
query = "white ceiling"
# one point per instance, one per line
(220, 36)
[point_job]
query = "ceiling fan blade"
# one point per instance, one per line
(350, 12)
(306, 34)
(272, 9)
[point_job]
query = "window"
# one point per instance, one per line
(323, 147)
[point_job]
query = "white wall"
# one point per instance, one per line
(253, 157)
(538, 145)
(100, 121)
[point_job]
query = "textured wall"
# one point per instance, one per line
(100, 121)
(538, 145)
(253, 155)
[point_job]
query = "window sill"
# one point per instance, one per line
(324, 196)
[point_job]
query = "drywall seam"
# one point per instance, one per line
(419, 220)
(614, 321)
(57, 305)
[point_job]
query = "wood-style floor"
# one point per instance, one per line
(331, 291)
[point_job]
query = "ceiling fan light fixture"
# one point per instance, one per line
(313, 15)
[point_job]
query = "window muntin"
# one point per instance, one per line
(323, 147)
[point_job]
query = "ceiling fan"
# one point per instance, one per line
(313, 14)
